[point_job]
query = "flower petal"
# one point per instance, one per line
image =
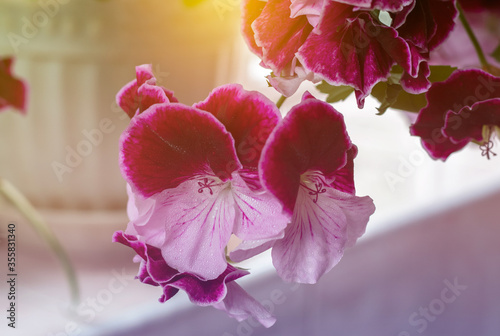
(320, 230)
(279, 45)
(171, 143)
(468, 123)
(139, 94)
(311, 137)
(239, 305)
(198, 222)
(463, 88)
(248, 115)
(259, 216)
(352, 49)
(204, 293)
(426, 23)
(251, 10)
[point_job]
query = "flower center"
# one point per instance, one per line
(314, 183)
(208, 183)
(488, 144)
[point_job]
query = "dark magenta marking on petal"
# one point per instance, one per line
(248, 115)
(171, 143)
(311, 137)
(12, 89)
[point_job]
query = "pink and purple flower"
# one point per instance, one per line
(307, 164)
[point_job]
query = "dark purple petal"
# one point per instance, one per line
(204, 293)
(155, 271)
(311, 137)
(426, 23)
(279, 45)
(419, 84)
(467, 124)
(172, 143)
(463, 88)
(350, 48)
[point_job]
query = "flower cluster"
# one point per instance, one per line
(216, 183)
(384, 48)
(230, 167)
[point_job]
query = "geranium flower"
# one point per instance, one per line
(12, 89)
(307, 164)
(139, 94)
(463, 108)
(199, 168)
(340, 43)
(222, 293)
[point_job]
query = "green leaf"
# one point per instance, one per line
(391, 94)
(335, 93)
(496, 54)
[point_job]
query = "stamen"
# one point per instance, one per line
(206, 184)
(312, 192)
(486, 149)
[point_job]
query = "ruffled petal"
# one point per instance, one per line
(350, 48)
(314, 242)
(311, 137)
(239, 305)
(259, 214)
(172, 143)
(462, 89)
(343, 179)
(127, 98)
(251, 10)
(155, 271)
(418, 84)
(204, 293)
(426, 23)
(141, 93)
(197, 220)
(248, 115)
(279, 45)
(12, 89)
(468, 123)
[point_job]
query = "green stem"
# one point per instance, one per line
(473, 38)
(280, 101)
(22, 204)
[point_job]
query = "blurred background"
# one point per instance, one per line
(427, 265)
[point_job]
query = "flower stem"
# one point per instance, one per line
(280, 101)
(22, 204)
(480, 53)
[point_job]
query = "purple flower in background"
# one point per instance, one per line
(308, 165)
(194, 173)
(222, 292)
(12, 90)
(464, 108)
